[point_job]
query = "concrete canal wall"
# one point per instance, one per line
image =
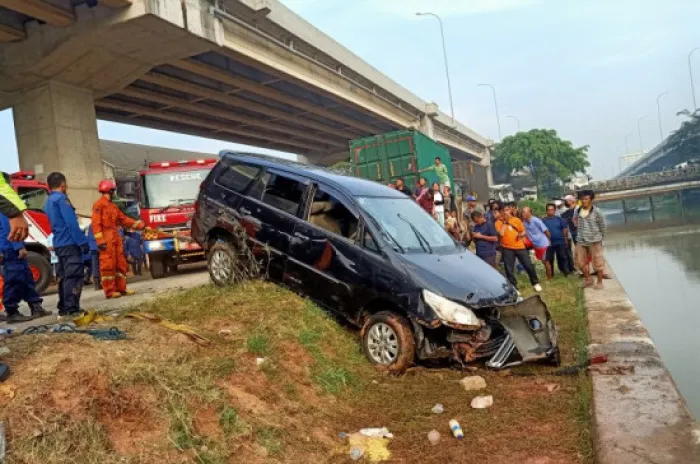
(639, 414)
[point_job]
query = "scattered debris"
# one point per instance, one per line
(259, 361)
(482, 402)
(434, 437)
(471, 368)
(505, 373)
(438, 409)
(456, 429)
(379, 432)
(183, 329)
(90, 317)
(552, 387)
(474, 382)
(225, 332)
(4, 350)
(343, 435)
(374, 449)
(356, 453)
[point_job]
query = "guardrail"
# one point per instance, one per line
(647, 180)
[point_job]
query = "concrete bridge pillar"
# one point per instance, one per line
(56, 130)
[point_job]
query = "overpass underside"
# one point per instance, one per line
(226, 69)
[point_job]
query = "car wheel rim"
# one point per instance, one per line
(221, 266)
(382, 344)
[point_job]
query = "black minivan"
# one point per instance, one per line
(371, 255)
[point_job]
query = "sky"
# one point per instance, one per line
(587, 68)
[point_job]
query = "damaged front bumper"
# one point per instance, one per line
(512, 334)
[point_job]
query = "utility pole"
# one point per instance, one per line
(690, 70)
(495, 103)
(658, 110)
(516, 120)
(639, 133)
(447, 69)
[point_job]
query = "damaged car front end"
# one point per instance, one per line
(503, 333)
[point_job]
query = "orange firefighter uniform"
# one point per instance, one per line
(106, 220)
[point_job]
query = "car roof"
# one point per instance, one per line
(352, 186)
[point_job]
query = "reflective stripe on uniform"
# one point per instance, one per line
(107, 278)
(120, 275)
(98, 235)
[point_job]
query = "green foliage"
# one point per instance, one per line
(539, 207)
(345, 168)
(548, 158)
(685, 141)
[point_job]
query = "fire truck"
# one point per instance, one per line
(34, 194)
(166, 192)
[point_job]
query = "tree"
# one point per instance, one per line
(546, 157)
(685, 141)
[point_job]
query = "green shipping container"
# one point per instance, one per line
(384, 158)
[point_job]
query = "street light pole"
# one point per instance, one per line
(516, 120)
(658, 110)
(495, 103)
(447, 69)
(639, 133)
(690, 70)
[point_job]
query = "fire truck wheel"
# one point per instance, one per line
(41, 270)
(157, 266)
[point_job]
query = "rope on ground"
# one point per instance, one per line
(183, 329)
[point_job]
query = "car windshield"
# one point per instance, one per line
(33, 197)
(406, 226)
(172, 189)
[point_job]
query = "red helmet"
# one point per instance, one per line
(106, 186)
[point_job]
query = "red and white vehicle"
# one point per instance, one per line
(34, 194)
(166, 193)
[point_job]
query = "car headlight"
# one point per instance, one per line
(451, 312)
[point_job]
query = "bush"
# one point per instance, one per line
(539, 207)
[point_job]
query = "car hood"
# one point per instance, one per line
(460, 276)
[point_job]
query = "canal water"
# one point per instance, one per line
(660, 271)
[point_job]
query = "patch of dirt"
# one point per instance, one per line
(295, 360)
(206, 422)
(130, 417)
(247, 401)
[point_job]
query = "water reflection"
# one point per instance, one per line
(660, 270)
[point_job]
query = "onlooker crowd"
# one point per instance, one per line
(571, 231)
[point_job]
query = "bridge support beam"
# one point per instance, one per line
(56, 130)
(651, 208)
(624, 211)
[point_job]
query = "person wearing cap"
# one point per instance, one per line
(107, 219)
(472, 207)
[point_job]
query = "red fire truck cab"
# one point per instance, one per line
(166, 193)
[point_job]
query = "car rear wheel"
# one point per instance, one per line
(387, 340)
(221, 264)
(41, 270)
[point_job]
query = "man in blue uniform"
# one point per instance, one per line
(133, 247)
(18, 279)
(95, 258)
(70, 244)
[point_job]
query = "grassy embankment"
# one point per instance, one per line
(159, 397)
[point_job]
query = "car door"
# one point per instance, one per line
(268, 214)
(324, 258)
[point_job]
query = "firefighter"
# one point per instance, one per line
(107, 218)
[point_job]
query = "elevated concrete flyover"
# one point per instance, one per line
(246, 71)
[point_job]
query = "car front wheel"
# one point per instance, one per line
(387, 340)
(222, 264)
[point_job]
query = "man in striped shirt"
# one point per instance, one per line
(590, 225)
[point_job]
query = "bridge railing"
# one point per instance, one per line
(688, 173)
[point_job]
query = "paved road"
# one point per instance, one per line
(190, 276)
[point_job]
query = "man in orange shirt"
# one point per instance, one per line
(106, 220)
(512, 232)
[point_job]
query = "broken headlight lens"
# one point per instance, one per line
(451, 312)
